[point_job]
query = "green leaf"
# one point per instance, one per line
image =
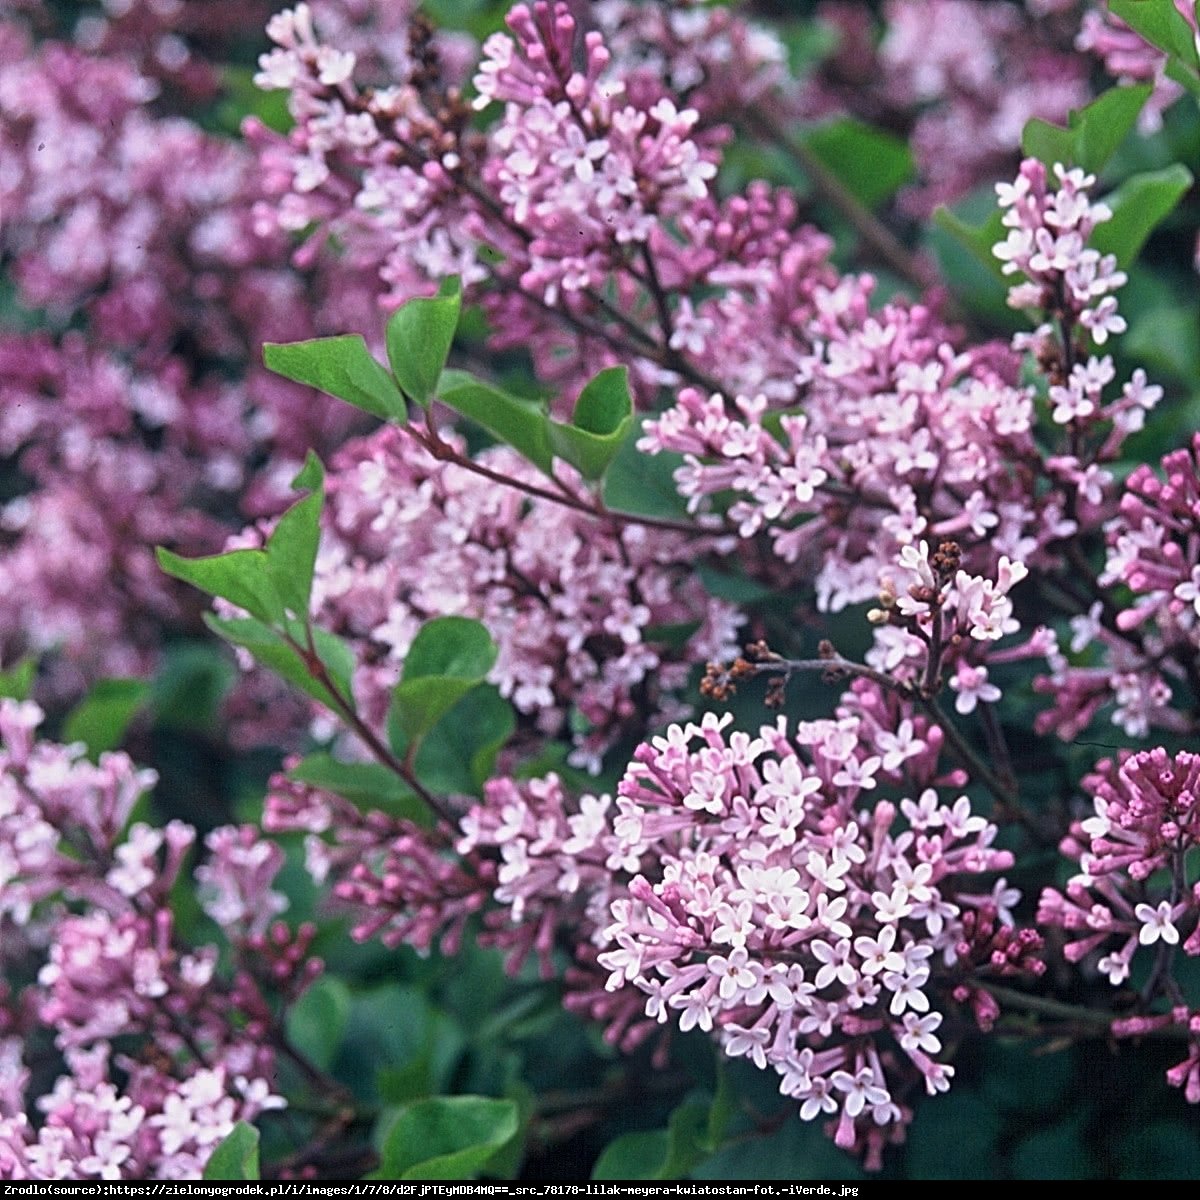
(521, 424)
(271, 651)
(1050, 143)
(670, 1153)
(243, 577)
(449, 657)
(191, 684)
(342, 367)
(602, 421)
(102, 716)
(978, 239)
(1093, 133)
(1162, 25)
(871, 163)
(1105, 123)
(1179, 72)
(368, 785)
(292, 547)
(962, 238)
(316, 1022)
(419, 336)
(237, 1156)
(1138, 205)
(643, 484)
(451, 648)
(633, 1156)
(722, 1110)
(445, 1137)
(17, 682)
(1164, 340)
(459, 752)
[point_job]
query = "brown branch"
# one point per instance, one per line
(446, 453)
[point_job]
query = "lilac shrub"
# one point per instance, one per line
(494, 610)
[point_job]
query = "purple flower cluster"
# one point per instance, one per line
(573, 602)
(1132, 889)
(751, 886)
(135, 229)
(92, 954)
(591, 179)
(1142, 655)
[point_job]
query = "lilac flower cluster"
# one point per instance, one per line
(589, 179)
(1048, 230)
(135, 229)
(1143, 655)
(571, 601)
(796, 918)
(1132, 889)
(92, 954)
(901, 437)
(746, 886)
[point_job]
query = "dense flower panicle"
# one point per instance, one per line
(1073, 286)
(92, 952)
(590, 179)
(781, 907)
(60, 813)
(900, 437)
(1141, 655)
(151, 1127)
(571, 601)
(750, 886)
(1154, 548)
(1048, 229)
(754, 891)
(1131, 890)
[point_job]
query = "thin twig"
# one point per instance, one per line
(598, 510)
(345, 709)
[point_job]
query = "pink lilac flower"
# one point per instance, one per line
(571, 602)
(86, 894)
(820, 995)
(151, 1127)
(588, 178)
(1131, 893)
(1143, 653)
